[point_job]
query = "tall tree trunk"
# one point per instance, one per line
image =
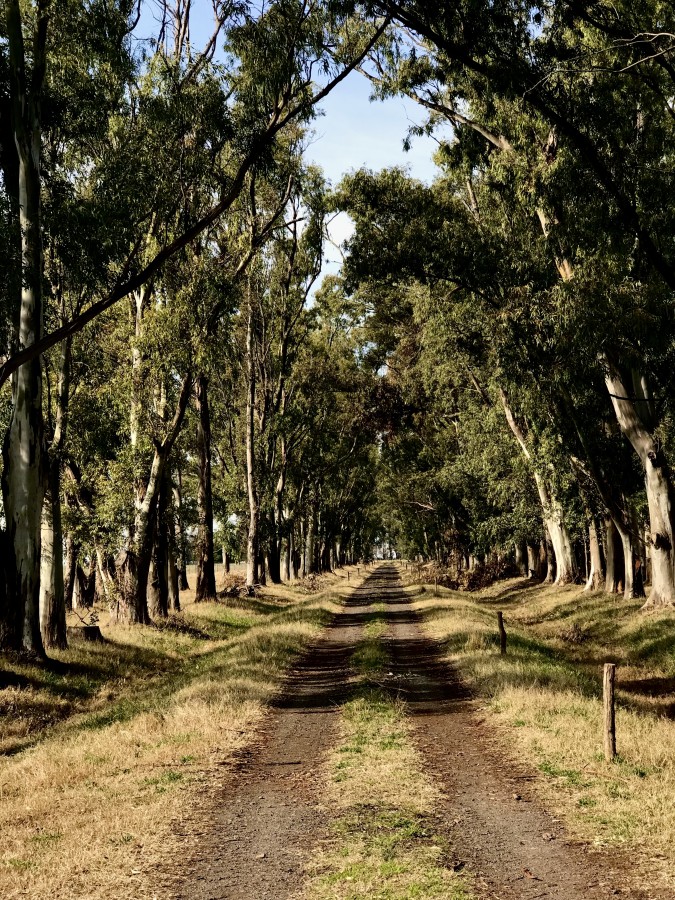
(174, 581)
(206, 562)
(288, 555)
(70, 569)
(172, 550)
(595, 579)
(52, 588)
(565, 562)
(22, 478)
(181, 542)
(547, 559)
(253, 507)
(158, 587)
(309, 564)
(532, 561)
(133, 565)
(628, 563)
(52, 597)
(658, 481)
(611, 556)
(521, 557)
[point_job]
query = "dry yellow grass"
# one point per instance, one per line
(87, 803)
(545, 695)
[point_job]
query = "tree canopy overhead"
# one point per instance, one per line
(490, 374)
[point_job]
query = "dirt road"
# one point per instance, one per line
(253, 833)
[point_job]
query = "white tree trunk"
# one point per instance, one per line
(657, 482)
(595, 578)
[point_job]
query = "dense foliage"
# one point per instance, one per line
(490, 376)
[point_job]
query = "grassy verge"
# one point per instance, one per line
(546, 694)
(382, 844)
(110, 743)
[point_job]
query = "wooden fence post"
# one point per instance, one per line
(502, 633)
(347, 574)
(608, 702)
(435, 587)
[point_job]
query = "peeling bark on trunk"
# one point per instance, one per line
(658, 481)
(206, 562)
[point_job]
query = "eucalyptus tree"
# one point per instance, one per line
(265, 84)
(585, 94)
(277, 324)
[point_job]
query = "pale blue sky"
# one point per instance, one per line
(355, 132)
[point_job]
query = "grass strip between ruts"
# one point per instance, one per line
(382, 844)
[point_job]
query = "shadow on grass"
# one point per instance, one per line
(609, 629)
(106, 683)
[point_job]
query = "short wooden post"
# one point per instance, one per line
(358, 571)
(610, 719)
(435, 587)
(347, 574)
(502, 633)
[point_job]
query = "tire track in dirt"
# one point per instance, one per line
(513, 847)
(251, 838)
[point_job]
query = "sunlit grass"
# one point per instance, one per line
(546, 694)
(89, 792)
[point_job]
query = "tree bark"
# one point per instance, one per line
(309, 564)
(22, 481)
(52, 588)
(69, 573)
(521, 557)
(52, 597)
(565, 563)
(206, 562)
(254, 513)
(658, 481)
(595, 579)
(532, 561)
(611, 556)
(181, 543)
(134, 562)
